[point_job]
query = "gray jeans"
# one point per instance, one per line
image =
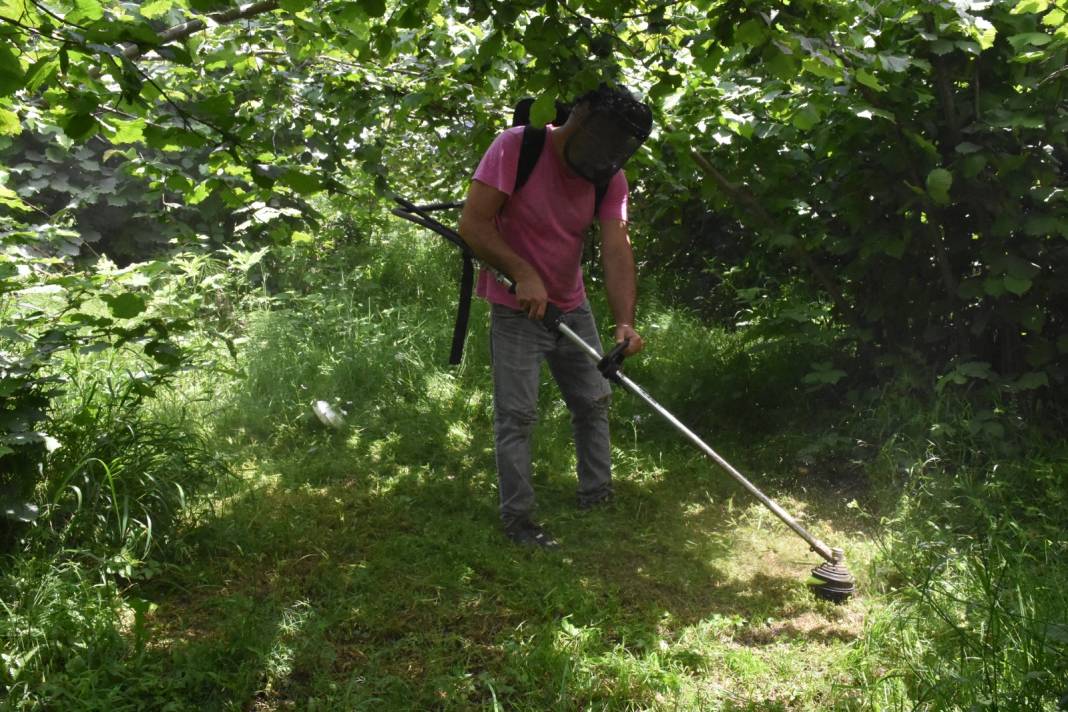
(517, 347)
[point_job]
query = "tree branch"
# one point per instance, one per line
(185, 29)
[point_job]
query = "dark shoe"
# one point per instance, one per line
(526, 533)
(602, 502)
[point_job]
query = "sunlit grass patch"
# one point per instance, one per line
(413, 597)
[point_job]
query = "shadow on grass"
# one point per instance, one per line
(365, 569)
(358, 578)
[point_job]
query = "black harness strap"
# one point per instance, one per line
(463, 311)
(529, 153)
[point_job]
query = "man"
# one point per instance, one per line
(535, 234)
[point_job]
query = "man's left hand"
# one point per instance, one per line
(626, 331)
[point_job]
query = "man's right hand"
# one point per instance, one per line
(531, 294)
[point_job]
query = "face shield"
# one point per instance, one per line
(610, 133)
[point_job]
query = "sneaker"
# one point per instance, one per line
(602, 502)
(526, 533)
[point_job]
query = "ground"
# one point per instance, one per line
(338, 577)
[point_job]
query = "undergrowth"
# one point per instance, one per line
(970, 569)
(216, 546)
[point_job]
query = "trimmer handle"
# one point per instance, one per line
(609, 365)
(552, 317)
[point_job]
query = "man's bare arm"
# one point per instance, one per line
(621, 281)
(478, 228)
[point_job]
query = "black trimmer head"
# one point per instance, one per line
(832, 581)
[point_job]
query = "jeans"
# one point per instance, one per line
(517, 347)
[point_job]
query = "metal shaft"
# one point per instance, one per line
(831, 555)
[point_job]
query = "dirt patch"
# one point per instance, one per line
(810, 626)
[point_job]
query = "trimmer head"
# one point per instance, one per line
(835, 583)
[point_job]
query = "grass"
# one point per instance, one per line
(391, 587)
(363, 568)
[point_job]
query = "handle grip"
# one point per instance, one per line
(609, 365)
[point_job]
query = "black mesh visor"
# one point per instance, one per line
(603, 142)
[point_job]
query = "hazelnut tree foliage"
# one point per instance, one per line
(897, 166)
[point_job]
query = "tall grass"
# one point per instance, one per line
(115, 495)
(976, 593)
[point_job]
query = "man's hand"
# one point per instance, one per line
(626, 331)
(531, 295)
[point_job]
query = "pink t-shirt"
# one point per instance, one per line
(546, 220)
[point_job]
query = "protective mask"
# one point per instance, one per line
(603, 142)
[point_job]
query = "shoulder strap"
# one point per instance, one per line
(463, 311)
(598, 198)
(529, 153)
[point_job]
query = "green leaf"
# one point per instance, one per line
(1042, 225)
(1017, 285)
(12, 76)
(1055, 18)
(894, 63)
(751, 32)
(202, 191)
(126, 305)
(973, 165)
(9, 123)
(543, 110)
(301, 182)
(938, 184)
(11, 199)
(781, 66)
(373, 8)
(411, 18)
(79, 125)
(1024, 39)
(994, 286)
(825, 69)
(924, 143)
(869, 80)
(806, 117)
(941, 46)
(140, 33)
(1032, 6)
(86, 10)
(129, 131)
(1031, 381)
(985, 32)
(294, 5)
(155, 8)
(42, 72)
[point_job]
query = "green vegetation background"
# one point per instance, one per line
(850, 223)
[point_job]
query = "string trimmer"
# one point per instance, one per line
(832, 580)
